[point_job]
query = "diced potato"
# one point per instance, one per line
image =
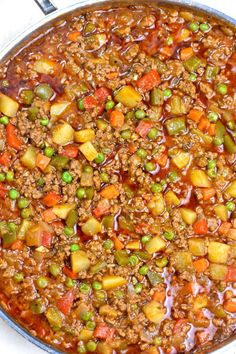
(128, 96)
(33, 235)
(113, 281)
(8, 106)
(104, 348)
(133, 245)
(57, 109)
(156, 205)
(84, 135)
(79, 261)
(154, 311)
(231, 190)
(89, 151)
(199, 302)
(181, 159)
(62, 134)
(188, 215)
(218, 271)
(155, 244)
(171, 199)
(29, 158)
(218, 252)
(62, 210)
(197, 246)
(221, 211)
(232, 234)
(233, 251)
(107, 310)
(199, 179)
(91, 227)
(183, 261)
(44, 66)
(85, 335)
(24, 227)
(54, 317)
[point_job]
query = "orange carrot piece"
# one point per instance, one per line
(5, 159)
(12, 137)
(159, 296)
(230, 305)
(231, 274)
(118, 244)
(204, 124)
(73, 36)
(143, 127)
(42, 161)
(167, 51)
(17, 245)
(48, 215)
(201, 265)
(195, 115)
(200, 227)
(212, 129)
(109, 192)
(112, 76)
(224, 228)
(51, 199)
(208, 193)
(148, 81)
(162, 160)
(117, 119)
(186, 53)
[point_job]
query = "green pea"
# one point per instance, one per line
(156, 188)
(192, 77)
(126, 134)
(12, 226)
(109, 105)
(84, 288)
(2, 177)
(167, 93)
(212, 173)
(74, 247)
(40, 182)
(44, 91)
(13, 194)
(80, 193)
(104, 177)
(119, 294)
(152, 134)
(222, 89)
(169, 40)
(157, 341)
(80, 105)
(26, 213)
(145, 239)
(138, 288)
(218, 141)
(90, 325)
(193, 26)
(141, 153)
(42, 282)
(133, 260)
(10, 176)
(91, 346)
(4, 120)
(44, 122)
(49, 151)
(18, 277)
(100, 158)
(108, 244)
(101, 124)
(149, 166)
(140, 114)
(204, 27)
(68, 231)
(37, 306)
(173, 176)
(23, 203)
(70, 283)
(66, 177)
(212, 116)
(211, 164)
(230, 206)
(54, 269)
(86, 316)
(143, 270)
(231, 125)
(162, 262)
(169, 235)
(96, 285)
(88, 169)
(81, 349)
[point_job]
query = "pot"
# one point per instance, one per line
(54, 15)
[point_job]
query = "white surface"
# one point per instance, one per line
(16, 16)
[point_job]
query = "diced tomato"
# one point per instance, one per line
(231, 274)
(12, 138)
(51, 199)
(102, 94)
(65, 303)
(5, 159)
(148, 81)
(67, 271)
(151, 44)
(224, 228)
(143, 128)
(71, 151)
(42, 161)
(48, 215)
(102, 208)
(101, 109)
(90, 102)
(102, 331)
(200, 227)
(3, 191)
(46, 239)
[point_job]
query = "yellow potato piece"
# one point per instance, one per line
(62, 210)
(113, 281)
(8, 106)
(84, 135)
(89, 151)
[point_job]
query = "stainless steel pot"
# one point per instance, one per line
(39, 29)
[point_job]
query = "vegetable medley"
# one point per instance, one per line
(118, 183)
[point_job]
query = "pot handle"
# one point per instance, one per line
(46, 6)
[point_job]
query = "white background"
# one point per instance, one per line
(17, 15)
